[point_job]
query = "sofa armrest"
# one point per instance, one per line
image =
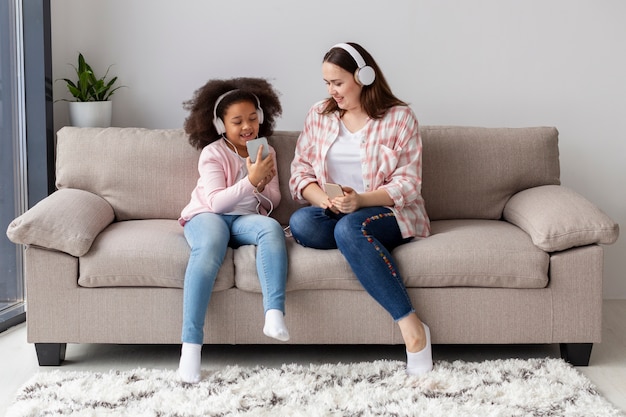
(557, 218)
(68, 220)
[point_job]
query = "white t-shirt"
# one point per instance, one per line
(344, 159)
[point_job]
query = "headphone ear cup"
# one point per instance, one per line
(365, 75)
(260, 116)
(219, 125)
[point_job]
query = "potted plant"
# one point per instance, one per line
(92, 106)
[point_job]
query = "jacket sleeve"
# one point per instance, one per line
(303, 172)
(405, 181)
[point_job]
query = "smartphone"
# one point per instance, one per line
(253, 148)
(333, 190)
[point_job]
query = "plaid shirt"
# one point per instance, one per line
(391, 156)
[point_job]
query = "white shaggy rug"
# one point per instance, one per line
(534, 387)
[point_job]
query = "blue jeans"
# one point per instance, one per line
(365, 238)
(209, 235)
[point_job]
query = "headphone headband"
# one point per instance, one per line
(219, 123)
(364, 74)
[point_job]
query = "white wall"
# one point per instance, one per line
(485, 63)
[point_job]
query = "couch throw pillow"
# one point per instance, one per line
(558, 218)
(67, 220)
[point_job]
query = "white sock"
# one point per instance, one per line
(189, 366)
(275, 325)
(420, 363)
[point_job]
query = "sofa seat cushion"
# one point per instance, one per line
(459, 253)
(143, 253)
(309, 269)
(474, 253)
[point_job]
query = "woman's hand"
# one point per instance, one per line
(348, 203)
(314, 194)
(352, 201)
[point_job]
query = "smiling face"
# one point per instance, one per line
(242, 124)
(342, 87)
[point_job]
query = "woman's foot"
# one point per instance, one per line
(420, 362)
(189, 366)
(275, 325)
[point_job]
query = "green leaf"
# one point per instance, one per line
(90, 87)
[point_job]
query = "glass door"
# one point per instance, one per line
(13, 195)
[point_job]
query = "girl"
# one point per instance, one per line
(230, 205)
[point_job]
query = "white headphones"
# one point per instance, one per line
(364, 74)
(219, 123)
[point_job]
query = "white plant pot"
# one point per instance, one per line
(90, 113)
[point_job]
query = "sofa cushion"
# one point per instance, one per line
(468, 172)
(459, 253)
(558, 218)
(471, 172)
(67, 220)
(142, 173)
(473, 253)
(143, 253)
(285, 144)
(309, 269)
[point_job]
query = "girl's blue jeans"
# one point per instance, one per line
(365, 238)
(209, 235)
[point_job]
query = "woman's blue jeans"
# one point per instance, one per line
(209, 235)
(365, 238)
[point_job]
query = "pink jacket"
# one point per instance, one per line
(391, 159)
(216, 190)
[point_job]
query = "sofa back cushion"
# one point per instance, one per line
(285, 145)
(468, 172)
(142, 173)
(471, 172)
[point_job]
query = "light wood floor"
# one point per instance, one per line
(18, 362)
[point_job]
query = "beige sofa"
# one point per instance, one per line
(514, 257)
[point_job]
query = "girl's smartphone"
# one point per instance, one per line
(333, 190)
(253, 148)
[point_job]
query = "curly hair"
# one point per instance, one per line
(377, 97)
(199, 124)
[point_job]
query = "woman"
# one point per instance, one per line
(367, 140)
(230, 204)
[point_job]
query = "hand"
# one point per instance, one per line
(348, 203)
(261, 185)
(261, 172)
(327, 204)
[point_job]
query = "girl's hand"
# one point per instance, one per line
(261, 185)
(262, 171)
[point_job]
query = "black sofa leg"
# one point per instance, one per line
(577, 354)
(50, 354)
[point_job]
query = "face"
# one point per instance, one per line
(242, 124)
(342, 87)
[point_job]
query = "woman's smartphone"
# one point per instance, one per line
(253, 148)
(333, 190)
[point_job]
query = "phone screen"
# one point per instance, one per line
(253, 148)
